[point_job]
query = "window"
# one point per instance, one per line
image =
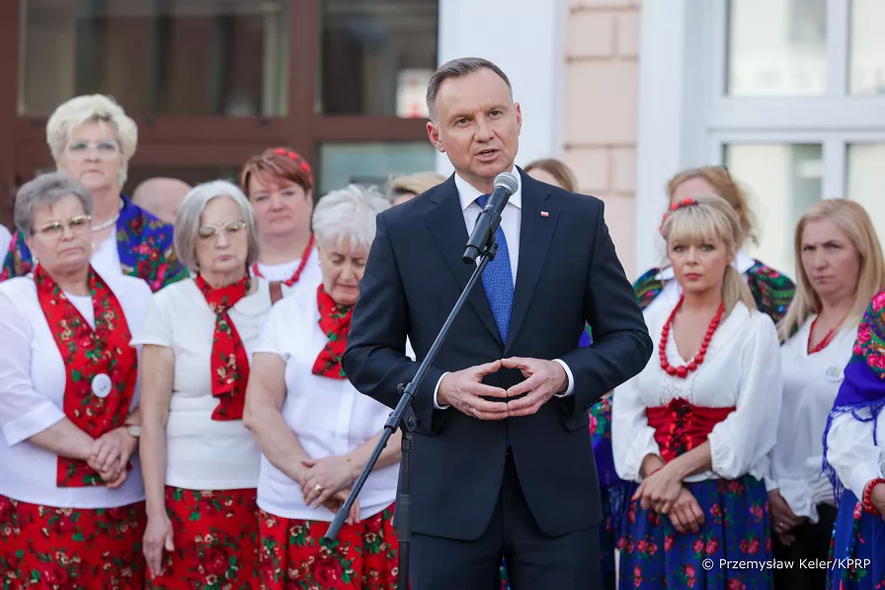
(212, 82)
(371, 163)
(777, 48)
(188, 57)
(867, 48)
(789, 94)
(783, 180)
(866, 183)
(378, 56)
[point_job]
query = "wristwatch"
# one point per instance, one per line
(134, 430)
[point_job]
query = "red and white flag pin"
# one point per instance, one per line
(544, 214)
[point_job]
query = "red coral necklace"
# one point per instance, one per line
(826, 339)
(683, 370)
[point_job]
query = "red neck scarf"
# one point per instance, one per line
(297, 275)
(229, 360)
(335, 324)
(101, 367)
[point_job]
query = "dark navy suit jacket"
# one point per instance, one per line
(568, 274)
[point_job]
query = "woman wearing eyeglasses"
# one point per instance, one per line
(92, 140)
(71, 494)
(200, 463)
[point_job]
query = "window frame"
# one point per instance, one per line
(686, 119)
(197, 141)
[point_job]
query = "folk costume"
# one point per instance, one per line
(68, 356)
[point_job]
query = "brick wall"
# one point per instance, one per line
(601, 94)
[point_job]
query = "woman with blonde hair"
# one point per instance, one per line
(771, 290)
(92, 141)
(693, 430)
(405, 188)
(553, 171)
(840, 267)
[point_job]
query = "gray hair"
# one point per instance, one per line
(348, 214)
(91, 107)
(187, 224)
(46, 189)
(458, 68)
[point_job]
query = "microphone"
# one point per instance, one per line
(488, 221)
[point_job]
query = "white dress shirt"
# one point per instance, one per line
(202, 453)
(310, 279)
(742, 368)
(32, 385)
(811, 383)
(329, 417)
(511, 225)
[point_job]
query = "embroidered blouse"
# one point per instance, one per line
(742, 369)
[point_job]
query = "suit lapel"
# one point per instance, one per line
(446, 223)
(536, 232)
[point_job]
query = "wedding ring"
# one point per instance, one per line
(782, 525)
(473, 411)
(318, 488)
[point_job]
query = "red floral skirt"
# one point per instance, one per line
(294, 554)
(43, 547)
(215, 533)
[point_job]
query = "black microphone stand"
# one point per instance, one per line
(403, 417)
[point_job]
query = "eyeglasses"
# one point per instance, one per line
(55, 229)
(104, 150)
(207, 232)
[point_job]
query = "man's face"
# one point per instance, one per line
(477, 125)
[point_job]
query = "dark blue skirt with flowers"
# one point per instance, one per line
(859, 537)
(736, 528)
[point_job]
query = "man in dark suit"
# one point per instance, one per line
(502, 461)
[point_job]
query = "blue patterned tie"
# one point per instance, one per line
(498, 280)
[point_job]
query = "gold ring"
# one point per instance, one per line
(318, 488)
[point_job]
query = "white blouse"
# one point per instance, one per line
(106, 256)
(328, 416)
(202, 453)
(811, 383)
(742, 369)
(32, 385)
(851, 452)
(310, 279)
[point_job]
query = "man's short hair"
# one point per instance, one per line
(458, 68)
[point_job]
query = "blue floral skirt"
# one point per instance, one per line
(736, 529)
(857, 553)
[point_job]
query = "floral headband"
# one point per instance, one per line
(675, 207)
(299, 161)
